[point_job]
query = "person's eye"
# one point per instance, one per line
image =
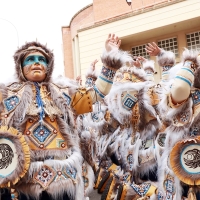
(30, 59)
(42, 60)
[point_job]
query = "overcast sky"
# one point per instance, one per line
(28, 20)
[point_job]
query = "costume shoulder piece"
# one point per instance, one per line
(62, 91)
(16, 86)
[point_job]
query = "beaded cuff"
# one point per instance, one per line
(107, 74)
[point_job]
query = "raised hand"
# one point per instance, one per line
(93, 64)
(152, 49)
(79, 80)
(112, 43)
(137, 62)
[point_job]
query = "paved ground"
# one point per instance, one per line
(94, 195)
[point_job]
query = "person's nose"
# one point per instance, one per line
(37, 61)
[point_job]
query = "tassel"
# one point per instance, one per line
(191, 194)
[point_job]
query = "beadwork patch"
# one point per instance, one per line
(89, 82)
(141, 189)
(11, 102)
(45, 176)
(169, 187)
(196, 97)
(130, 161)
(41, 135)
(129, 101)
(70, 172)
(160, 196)
(67, 98)
(60, 143)
(85, 181)
(60, 176)
(15, 86)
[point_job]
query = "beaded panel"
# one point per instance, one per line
(169, 187)
(45, 176)
(129, 101)
(107, 74)
(11, 102)
(130, 161)
(89, 82)
(67, 98)
(141, 189)
(196, 97)
(41, 135)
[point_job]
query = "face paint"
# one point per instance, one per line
(32, 59)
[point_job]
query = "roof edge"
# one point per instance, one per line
(79, 12)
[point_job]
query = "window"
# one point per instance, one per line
(140, 51)
(169, 44)
(193, 40)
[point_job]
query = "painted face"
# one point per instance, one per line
(32, 59)
(34, 67)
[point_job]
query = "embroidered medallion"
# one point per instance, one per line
(45, 176)
(67, 98)
(14, 151)
(7, 155)
(190, 159)
(11, 102)
(185, 160)
(141, 189)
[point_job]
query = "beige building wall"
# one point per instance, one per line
(152, 23)
(146, 27)
(71, 40)
(67, 52)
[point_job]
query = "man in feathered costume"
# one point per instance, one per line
(41, 156)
